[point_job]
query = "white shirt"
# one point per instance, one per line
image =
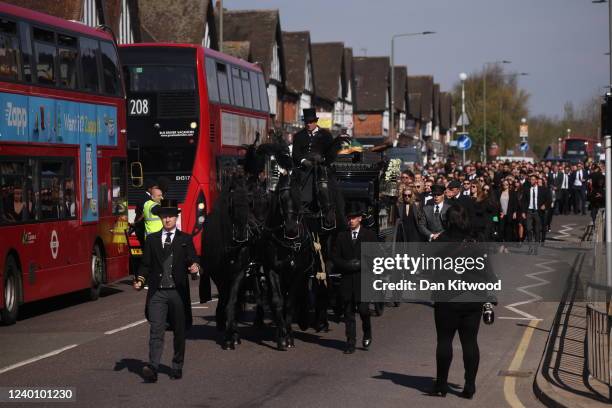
(438, 208)
(172, 235)
(533, 198)
(579, 178)
(355, 233)
(565, 183)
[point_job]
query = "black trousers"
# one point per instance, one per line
(351, 325)
(533, 225)
(579, 194)
(465, 319)
(164, 303)
(564, 201)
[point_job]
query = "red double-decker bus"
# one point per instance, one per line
(63, 173)
(189, 109)
(578, 149)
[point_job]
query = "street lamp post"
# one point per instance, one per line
(392, 84)
(524, 121)
(484, 103)
(463, 77)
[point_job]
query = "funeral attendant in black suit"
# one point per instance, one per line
(168, 259)
(346, 256)
(534, 204)
(431, 221)
(312, 143)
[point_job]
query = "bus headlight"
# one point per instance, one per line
(193, 125)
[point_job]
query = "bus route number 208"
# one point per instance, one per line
(139, 107)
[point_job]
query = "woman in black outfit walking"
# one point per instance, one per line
(451, 317)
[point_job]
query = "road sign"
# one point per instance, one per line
(464, 142)
(524, 131)
(463, 120)
(524, 147)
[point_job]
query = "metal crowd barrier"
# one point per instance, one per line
(599, 312)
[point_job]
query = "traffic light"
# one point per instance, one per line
(606, 115)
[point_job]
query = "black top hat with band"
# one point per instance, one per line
(355, 209)
(437, 189)
(310, 115)
(166, 207)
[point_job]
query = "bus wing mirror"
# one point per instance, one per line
(136, 174)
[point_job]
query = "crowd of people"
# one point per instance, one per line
(505, 201)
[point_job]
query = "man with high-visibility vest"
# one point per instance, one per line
(152, 222)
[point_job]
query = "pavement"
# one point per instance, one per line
(99, 349)
(563, 379)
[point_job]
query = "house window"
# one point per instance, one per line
(272, 98)
(339, 88)
(206, 39)
(275, 70)
(385, 123)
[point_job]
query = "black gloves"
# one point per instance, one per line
(354, 265)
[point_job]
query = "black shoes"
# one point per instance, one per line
(350, 349)
(468, 391)
(176, 374)
(439, 389)
(366, 342)
(323, 327)
(149, 373)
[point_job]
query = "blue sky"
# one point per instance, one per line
(560, 43)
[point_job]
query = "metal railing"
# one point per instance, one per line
(599, 312)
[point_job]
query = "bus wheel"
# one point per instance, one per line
(98, 266)
(12, 292)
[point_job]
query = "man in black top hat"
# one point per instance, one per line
(346, 256)
(169, 257)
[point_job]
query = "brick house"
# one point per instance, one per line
(420, 101)
(262, 30)
(371, 108)
(299, 84)
(333, 86)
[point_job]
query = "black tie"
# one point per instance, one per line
(437, 210)
(168, 240)
(533, 198)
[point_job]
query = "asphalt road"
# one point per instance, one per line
(100, 347)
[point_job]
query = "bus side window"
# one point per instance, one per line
(67, 61)
(255, 91)
(238, 101)
(211, 80)
(89, 64)
(26, 50)
(263, 93)
(246, 89)
(224, 91)
(110, 69)
(45, 51)
(9, 44)
(13, 202)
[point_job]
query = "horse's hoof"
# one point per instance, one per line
(281, 345)
(290, 343)
(228, 345)
(236, 339)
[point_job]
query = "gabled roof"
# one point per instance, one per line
(436, 104)
(371, 83)
(414, 106)
(399, 83)
(297, 47)
(238, 49)
(327, 66)
(177, 21)
(446, 111)
(261, 28)
(423, 85)
(67, 9)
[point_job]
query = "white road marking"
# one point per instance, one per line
(37, 358)
(543, 269)
(127, 326)
(515, 365)
(563, 232)
(518, 318)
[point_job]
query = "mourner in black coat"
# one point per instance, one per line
(312, 143)
(168, 258)
(346, 256)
